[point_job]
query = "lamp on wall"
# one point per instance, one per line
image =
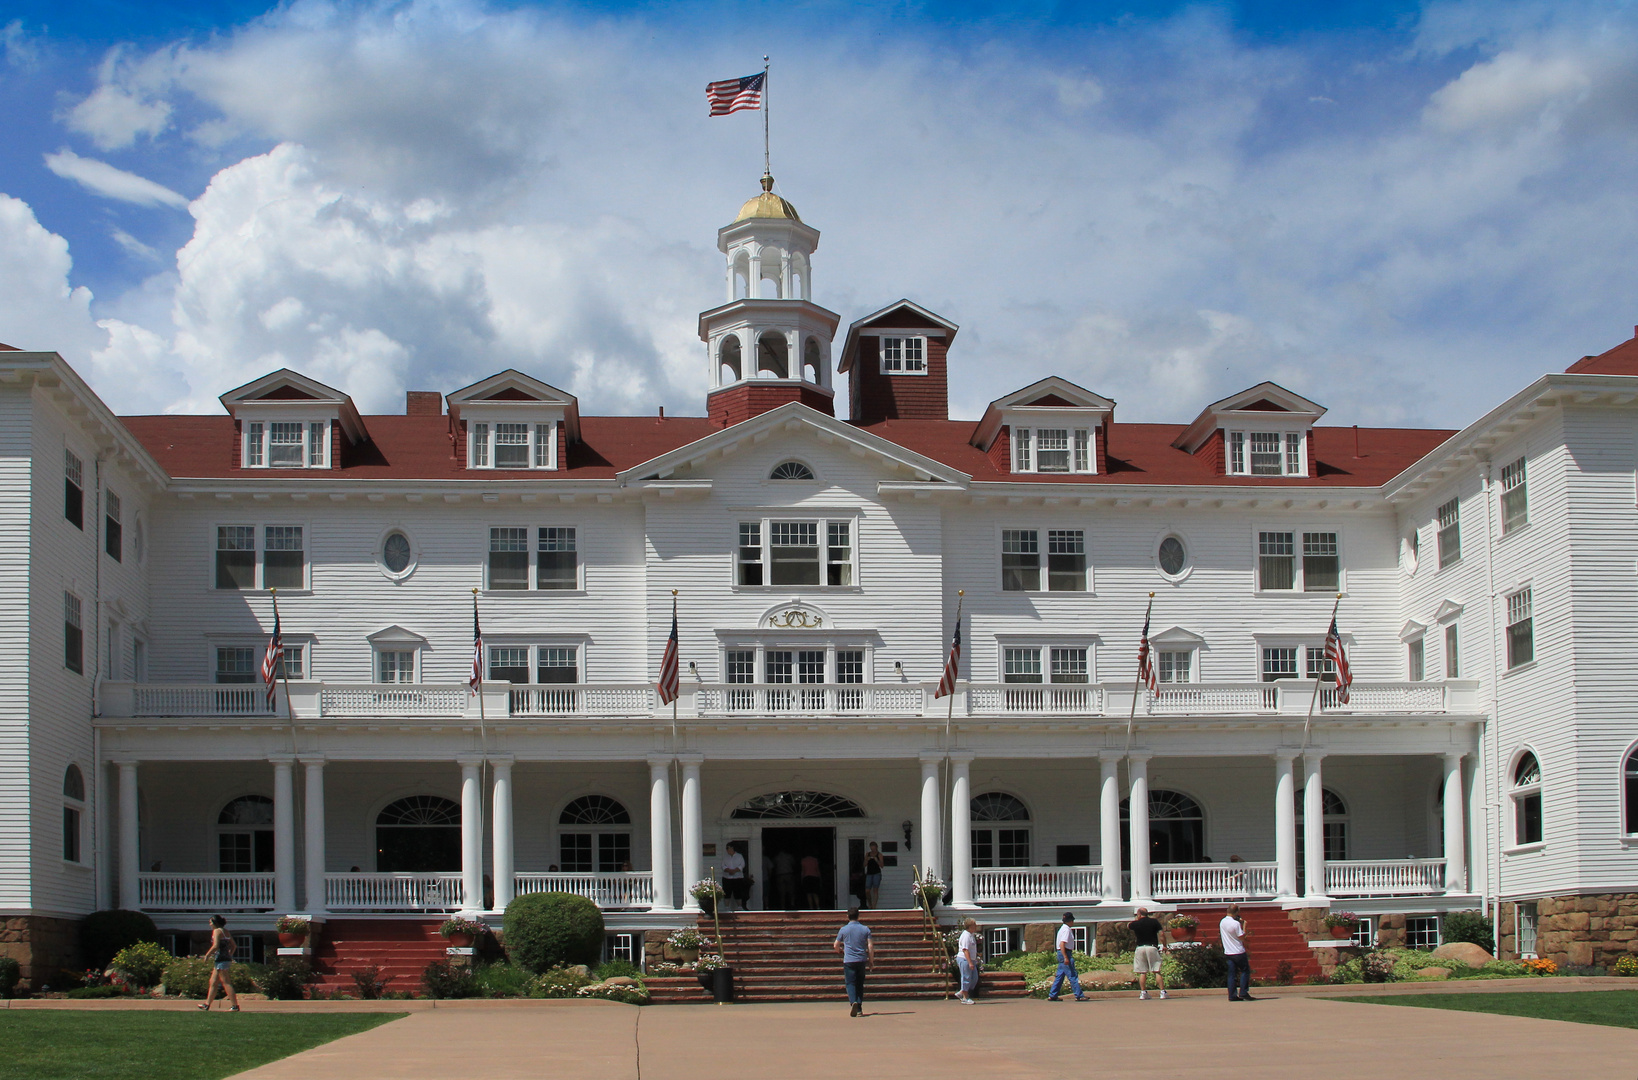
(908, 826)
(693, 669)
(898, 668)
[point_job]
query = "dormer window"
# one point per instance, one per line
(1052, 450)
(1267, 453)
(904, 355)
(511, 446)
(283, 444)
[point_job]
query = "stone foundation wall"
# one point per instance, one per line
(42, 945)
(1578, 931)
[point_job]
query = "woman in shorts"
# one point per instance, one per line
(220, 954)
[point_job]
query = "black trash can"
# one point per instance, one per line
(722, 985)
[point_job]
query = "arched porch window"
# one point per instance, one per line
(1177, 829)
(418, 834)
(1000, 830)
(244, 836)
(595, 835)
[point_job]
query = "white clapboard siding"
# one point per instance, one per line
(16, 613)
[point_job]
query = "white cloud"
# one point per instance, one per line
(1508, 89)
(133, 245)
(113, 118)
(39, 309)
(103, 179)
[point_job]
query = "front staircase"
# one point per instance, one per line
(1274, 938)
(787, 956)
(401, 948)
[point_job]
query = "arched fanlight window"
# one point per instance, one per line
(994, 846)
(419, 834)
(1335, 826)
(999, 806)
(73, 800)
(594, 810)
(1527, 825)
(247, 810)
(1631, 792)
(799, 804)
(791, 470)
(73, 784)
(1177, 829)
(244, 836)
(421, 810)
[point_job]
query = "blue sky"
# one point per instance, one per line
(1373, 203)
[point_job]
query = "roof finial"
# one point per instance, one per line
(767, 181)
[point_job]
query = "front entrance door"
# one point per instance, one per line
(422, 850)
(787, 848)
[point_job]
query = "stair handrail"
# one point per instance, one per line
(929, 925)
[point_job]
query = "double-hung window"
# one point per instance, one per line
(556, 664)
(1279, 662)
(236, 664)
(73, 489)
(1278, 569)
(511, 445)
(1415, 660)
(395, 666)
(261, 557)
(1021, 560)
(113, 532)
(1066, 560)
(787, 553)
(1521, 638)
(283, 559)
(542, 664)
(1514, 499)
(1450, 533)
(1069, 665)
(1267, 453)
(556, 559)
(286, 444)
(1276, 561)
(904, 355)
(1062, 664)
(1174, 666)
(1453, 654)
(1021, 665)
(556, 567)
(1052, 450)
(1321, 567)
(73, 635)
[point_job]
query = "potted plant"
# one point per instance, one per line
(928, 891)
(1183, 926)
(1341, 924)
(461, 933)
(685, 945)
(715, 975)
(293, 930)
(708, 893)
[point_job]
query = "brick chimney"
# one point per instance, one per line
(423, 403)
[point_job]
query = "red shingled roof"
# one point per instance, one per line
(420, 448)
(1621, 360)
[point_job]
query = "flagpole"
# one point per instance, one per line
(483, 741)
(284, 672)
(1137, 683)
(1308, 724)
(766, 168)
(676, 773)
(949, 718)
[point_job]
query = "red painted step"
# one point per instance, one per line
(1273, 938)
(401, 948)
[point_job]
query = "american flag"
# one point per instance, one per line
(732, 95)
(952, 666)
(670, 682)
(272, 658)
(1146, 659)
(1339, 661)
(476, 681)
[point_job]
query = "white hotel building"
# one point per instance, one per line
(1485, 757)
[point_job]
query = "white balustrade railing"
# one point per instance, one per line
(1211, 881)
(393, 892)
(199, 699)
(582, 700)
(391, 700)
(1385, 877)
(1415, 697)
(1037, 884)
(1084, 700)
(609, 889)
(205, 892)
(810, 699)
(1215, 699)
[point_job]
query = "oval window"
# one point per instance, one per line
(1173, 556)
(395, 552)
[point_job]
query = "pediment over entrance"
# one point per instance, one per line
(794, 615)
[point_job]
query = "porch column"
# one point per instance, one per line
(1137, 773)
(500, 817)
(471, 834)
(692, 838)
(932, 835)
(313, 831)
(130, 856)
(1455, 826)
(961, 830)
(1109, 825)
(1313, 828)
(284, 833)
(1285, 825)
(659, 831)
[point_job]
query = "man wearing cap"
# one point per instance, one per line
(1065, 946)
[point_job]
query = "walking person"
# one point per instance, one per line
(1146, 931)
(811, 881)
(873, 877)
(220, 954)
(967, 960)
(1234, 933)
(1065, 946)
(858, 956)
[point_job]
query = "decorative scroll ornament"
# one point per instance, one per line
(796, 619)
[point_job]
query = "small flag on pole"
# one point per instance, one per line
(732, 95)
(1146, 658)
(952, 666)
(476, 681)
(1339, 661)
(669, 685)
(273, 659)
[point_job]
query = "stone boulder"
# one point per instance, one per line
(1434, 974)
(1464, 952)
(1038, 937)
(619, 980)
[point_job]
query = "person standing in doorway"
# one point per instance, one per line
(1234, 933)
(873, 877)
(785, 875)
(811, 881)
(1146, 931)
(858, 956)
(1065, 947)
(735, 885)
(967, 953)
(220, 955)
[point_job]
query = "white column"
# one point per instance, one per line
(1313, 828)
(1109, 825)
(471, 834)
(659, 830)
(753, 281)
(130, 856)
(961, 830)
(284, 833)
(1455, 826)
(500, 817)
(1285, 825)
(1137, 771)
(692, 838)
(313, 831)
(932, 835)
(785, 275)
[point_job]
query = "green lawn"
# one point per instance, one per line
(42, 1045)
(1612, 1008)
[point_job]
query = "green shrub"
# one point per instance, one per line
(558, 983)
(142, 964)
(441, 979)
(370, 982)
(502, 980)
(82, 992)
(1469, 926)
(287, 980)
(630, 995)
(104, 933)
(616, 967)
(10, 972)
(1195, 966)
(247, 978)
(188, 977)
(547, 929)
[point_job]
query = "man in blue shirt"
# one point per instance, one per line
(858, 956)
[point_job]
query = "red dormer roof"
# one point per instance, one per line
(1621, 360)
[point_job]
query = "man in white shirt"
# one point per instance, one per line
(1065, 947)
(1234, 934)
(735, 885)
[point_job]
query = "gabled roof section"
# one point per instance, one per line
(285, 385)
(1051, 392)
(794, 415)
(1176, 635)
(1621, 360)
(917, 314)
(395, 635)
(1265, 397)
(513, 387)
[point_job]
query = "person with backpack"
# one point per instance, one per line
(220, 954)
